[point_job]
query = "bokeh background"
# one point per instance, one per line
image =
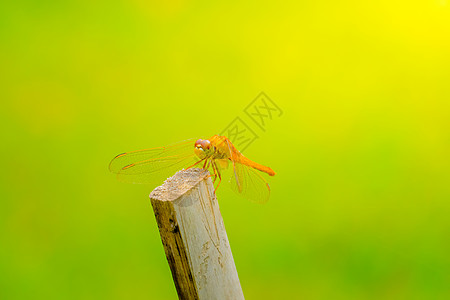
(360, 206)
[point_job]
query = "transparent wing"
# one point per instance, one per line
(153, 166)
(248, 183)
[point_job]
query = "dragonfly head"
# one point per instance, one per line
(203, 148)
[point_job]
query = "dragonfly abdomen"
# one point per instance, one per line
(245, 161)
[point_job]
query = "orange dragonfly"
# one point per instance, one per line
(153, 166)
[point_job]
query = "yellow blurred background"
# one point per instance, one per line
(360, 206)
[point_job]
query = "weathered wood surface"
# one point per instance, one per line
(194, 237)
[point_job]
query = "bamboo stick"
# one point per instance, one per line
(194, 237)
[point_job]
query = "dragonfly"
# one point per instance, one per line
(216, 154)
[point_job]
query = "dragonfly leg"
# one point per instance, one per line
(218, 174)
(214, 167)
(204, 165)
(196, 163)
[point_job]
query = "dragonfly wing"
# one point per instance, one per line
(248, 183)
(153, 166)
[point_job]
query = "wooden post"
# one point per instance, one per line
(194, 237)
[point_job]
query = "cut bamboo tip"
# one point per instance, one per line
(179, 184)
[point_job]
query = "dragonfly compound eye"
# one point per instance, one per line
(198, 144)
(206, 144)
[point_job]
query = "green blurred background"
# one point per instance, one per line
(360, 206)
